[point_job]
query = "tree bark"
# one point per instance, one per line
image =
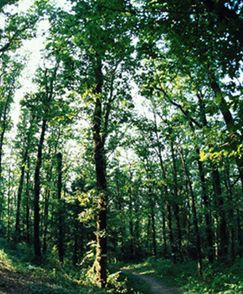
(60, 210)
(164, 234)
(195, 217)
(175, 204)
(231, 216)
(46, 213)
(166, 193)
(152, 216)
(49, 87)
(37, 243)
(229, 121)
(207, 216)
(223, 234)
(19, 196)
(101, 184)
(8, 205)
(27, 191)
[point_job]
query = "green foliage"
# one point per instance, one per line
(216, 278)
(5, 261)
(219, 155)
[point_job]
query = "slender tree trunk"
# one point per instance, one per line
(170, 230)
(78, 235)
(168, 205)
(1, 150)
(208, 221)
(75, 249)
(164, 234)
(152, 215)
(47, 195)
(49, 87)
(136, 227)
(19, 196)
(239, 232)
(175, 204)
(3, 130)
(46, 213)
(223, 234)
(60, 212)
(8, 205)
(195, 217)
(119, 203)
(153, 232)
(166, 193)
(101, 185)
(231, 213)
(37, 243)
(216, 183)
(27, 192)
(148, 239)
(131, 226)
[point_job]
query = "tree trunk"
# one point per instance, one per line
(60, 212)
(37, 243)
(229, 121)
(46, 214)
(19, 196)
(231, 213)
(195, 217)
(131, 226)
(175, 204)
(3, 130)
(166, 193)
(223, 234)
(101, 185)
(8, 205)
(164, 234)
(153, 232)
(27, 192)
(152, 215)
(208, 222)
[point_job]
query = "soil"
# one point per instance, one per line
(13, 283)
(156, 287)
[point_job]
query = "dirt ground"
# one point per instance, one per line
(156, 287)
(13, 283)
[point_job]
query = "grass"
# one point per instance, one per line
(218, 278)
(54, 278)
(51, 278)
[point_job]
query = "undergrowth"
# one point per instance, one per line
(54, 278)
(217, 278)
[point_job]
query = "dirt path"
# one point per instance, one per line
(13, 283)
(155, 286)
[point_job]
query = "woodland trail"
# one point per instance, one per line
(13, 283)
(156, 287)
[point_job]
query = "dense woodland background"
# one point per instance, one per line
(130, 143)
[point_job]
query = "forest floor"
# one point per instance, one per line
(18, 275)
(154, 285)
(182, 277)
(11, 282)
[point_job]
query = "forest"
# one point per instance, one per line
(121, 151)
